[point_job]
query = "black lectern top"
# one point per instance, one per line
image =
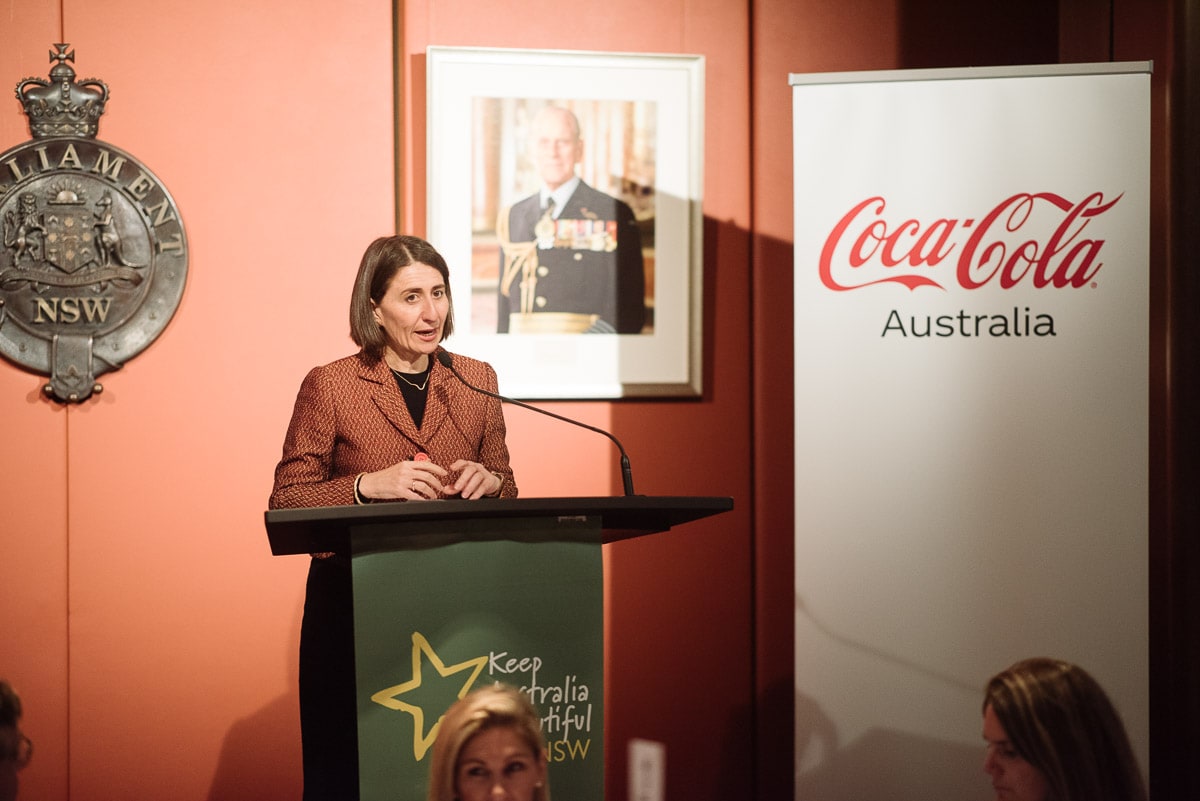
(328, 528)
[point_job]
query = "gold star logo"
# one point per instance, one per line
(389, 697)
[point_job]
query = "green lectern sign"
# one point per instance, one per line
(445, 615)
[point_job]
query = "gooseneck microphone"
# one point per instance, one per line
(626, 474)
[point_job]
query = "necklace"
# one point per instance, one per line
(418, 387)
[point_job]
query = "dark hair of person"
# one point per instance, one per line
(383, 259)
(10, 705)
(15, 747)
(1059, 719)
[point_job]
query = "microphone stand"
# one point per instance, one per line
(626, 472)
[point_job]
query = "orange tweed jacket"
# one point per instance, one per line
(350, 418)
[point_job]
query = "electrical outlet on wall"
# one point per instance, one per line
(647, 770)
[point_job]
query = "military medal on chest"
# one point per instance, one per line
(94, 255)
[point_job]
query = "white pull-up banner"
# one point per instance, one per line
(971, 398)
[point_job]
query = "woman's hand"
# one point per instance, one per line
(407, 480)
(474, 481)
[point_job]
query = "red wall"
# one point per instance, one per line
(155, 649)
(150, 632)
(155, 641)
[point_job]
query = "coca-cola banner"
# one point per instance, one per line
(971, 358)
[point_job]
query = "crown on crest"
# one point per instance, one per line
(61, 106)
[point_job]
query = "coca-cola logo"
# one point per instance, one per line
(866, 248)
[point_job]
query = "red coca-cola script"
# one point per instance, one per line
(866, 248)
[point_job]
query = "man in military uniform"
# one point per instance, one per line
(571, 256)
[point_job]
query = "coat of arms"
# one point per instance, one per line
(94, 256)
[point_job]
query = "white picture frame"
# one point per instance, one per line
(641, 119)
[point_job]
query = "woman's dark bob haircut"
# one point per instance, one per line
(384, 258)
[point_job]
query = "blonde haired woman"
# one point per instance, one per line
(490, 746)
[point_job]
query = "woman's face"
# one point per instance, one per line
(1013, 778)
(497, 764)
(412, 312)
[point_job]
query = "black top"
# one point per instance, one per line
(415, 388)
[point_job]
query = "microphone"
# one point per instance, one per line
(626, 474)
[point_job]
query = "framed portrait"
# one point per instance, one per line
(564, 190)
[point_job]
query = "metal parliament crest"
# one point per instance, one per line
(94, 255)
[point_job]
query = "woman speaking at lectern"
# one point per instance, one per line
(389, 423)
